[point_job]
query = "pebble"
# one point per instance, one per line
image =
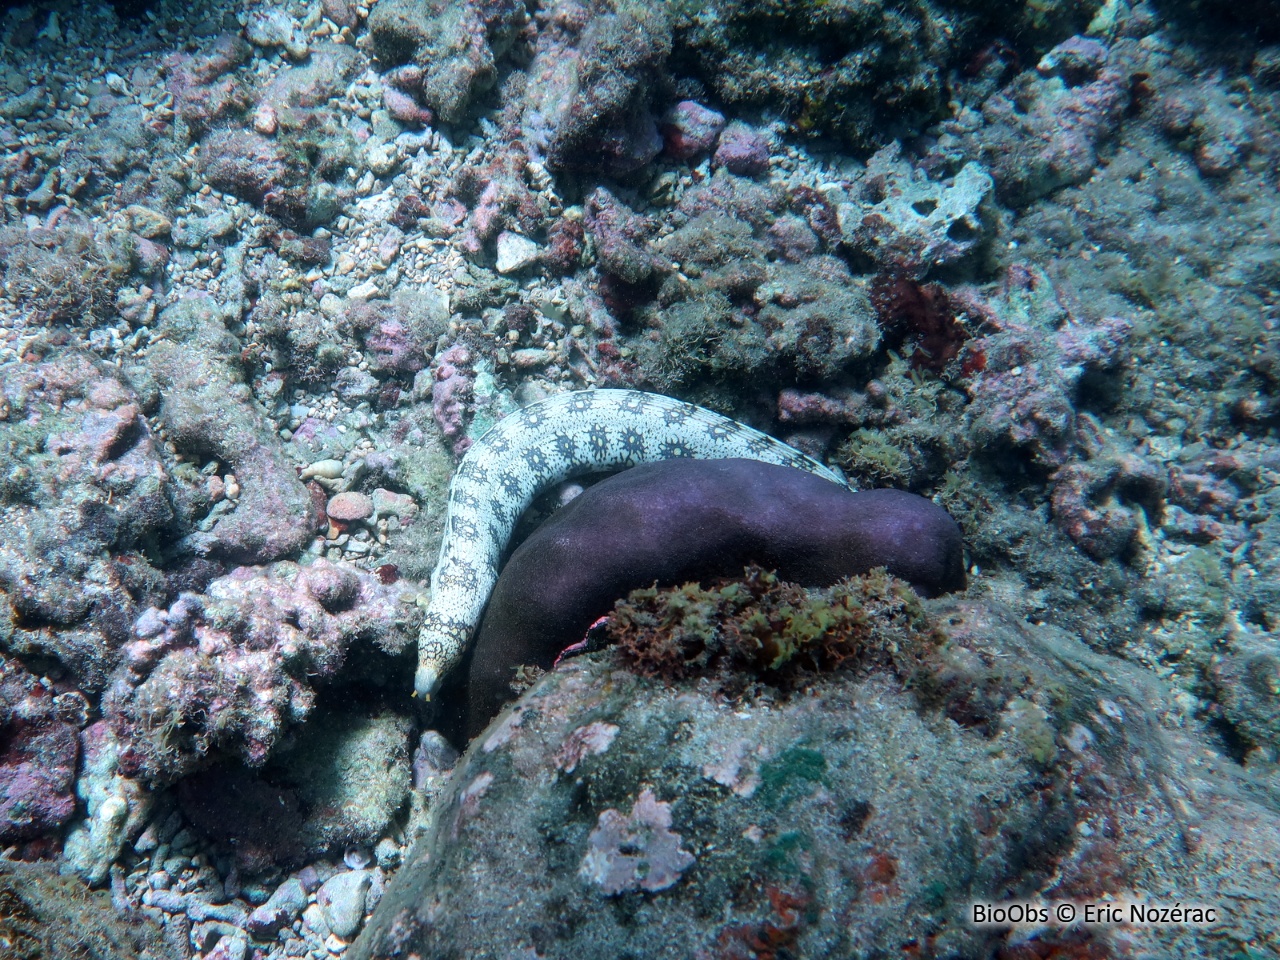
(231, 912)
(387, 853)
(434, 757)
(515, 252)
(281, 910)
(531, 357)
(389, 246)
(381, 158)
(363, 291)
(350, 506)
(229, 948)
(147, 222)
(388, 503)
(313, 919)
(184, 841)
(265, 120)
(166, 900)
(341, 897)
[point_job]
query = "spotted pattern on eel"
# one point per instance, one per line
(525, 453)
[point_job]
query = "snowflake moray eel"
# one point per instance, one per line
(568, 435)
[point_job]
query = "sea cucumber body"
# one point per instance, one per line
(564, 436)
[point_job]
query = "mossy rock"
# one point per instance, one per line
(47, 916)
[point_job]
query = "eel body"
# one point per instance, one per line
(526, 452)
(669, 523)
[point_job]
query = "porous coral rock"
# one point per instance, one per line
(209, 412)
(1043, 133)
(229, 671)
(101, 157)
(116, 805)
(591, 85)
(85, 497)
(1028, 372)
(455, 46)
(731, 311)
(311, 84)
(743, 150)
(399, 333)
(897, 217)
(839, 68)
(40, 754)
(500, 197)
(621, 238)
(451, 394)
(1099, 502)
(690, 129)
(203, 86)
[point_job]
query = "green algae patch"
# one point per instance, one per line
(797, 772)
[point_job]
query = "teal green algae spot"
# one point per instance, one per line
(780, 859)
(791, 775)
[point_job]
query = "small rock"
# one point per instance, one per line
(275, 28)
(148, 840)
(341, 12)
(284, 906)
(43, 196)
(388, 503)
(167, 900)
(515, 252)
(313, 875)
(151, 256)
(265, 120)
(743, 151)
(355, 385)
(387, 853)
(404, 108)
(232, 912)
(146, 222)
(22, 107)
(363, 291)
(314, 920)
(381, 158)
(531, 357)
(690, 129)
(229, 948)
(308, 250)
(434, 757)
(342, 900)
(389, 246)
(349, 507)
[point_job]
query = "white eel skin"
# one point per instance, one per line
(525, 453)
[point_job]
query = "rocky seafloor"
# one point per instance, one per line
(268, 270)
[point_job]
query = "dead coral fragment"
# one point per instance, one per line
(764, 625)
(636, 852)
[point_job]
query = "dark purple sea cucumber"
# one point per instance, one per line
(681, 520)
